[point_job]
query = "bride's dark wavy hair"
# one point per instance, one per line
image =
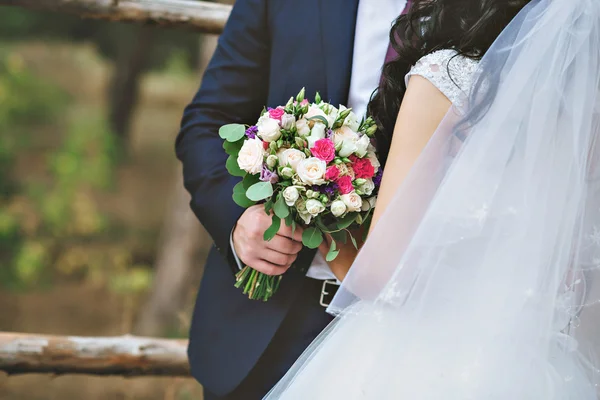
(467, 26)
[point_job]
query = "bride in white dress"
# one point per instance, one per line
(479, 279)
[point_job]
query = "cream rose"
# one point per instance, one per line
(362, 146)
(367, 187)
(315, 111)
(345, 139)
(291, 195)
(251, 156)
(268, 128)
(314, 207)
(301, 207)
(372, 156)
(291, 157)
(311, 171)
(338, 208)
(352, 201)
(302, 127)
(352, 121)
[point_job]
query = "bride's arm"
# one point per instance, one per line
(422, 110)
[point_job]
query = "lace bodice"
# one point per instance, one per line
(451, 73)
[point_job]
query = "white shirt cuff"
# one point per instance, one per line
(237, 259)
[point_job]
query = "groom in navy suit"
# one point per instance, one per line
(269, 50)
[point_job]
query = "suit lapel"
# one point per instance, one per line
(338, 23)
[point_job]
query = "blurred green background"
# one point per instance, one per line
(95, 233)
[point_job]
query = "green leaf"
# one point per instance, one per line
(289, 220)
(239, 196)
(250, 180)
(339, 236)
(281, 209)
(273, 229)
(260, 191)
(232, 132)
(353, 240)
(320, 118)
(233, 168)
(312, 238)
(268, 206)
(333, 252)
(346, 221)
(233, 148)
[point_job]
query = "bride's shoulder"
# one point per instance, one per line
(450, 72)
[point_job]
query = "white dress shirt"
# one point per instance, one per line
(371, 41)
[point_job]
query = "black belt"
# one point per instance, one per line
(328, 291)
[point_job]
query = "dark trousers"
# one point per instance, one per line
(303, 323)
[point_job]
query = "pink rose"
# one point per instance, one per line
(323, 149)
(362, 167)
(345, 184)
(304, 102)
(276, 113)
(332, 173)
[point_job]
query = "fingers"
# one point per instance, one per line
(284, 245)
(286, 231)
(269, 269)
(277, 258)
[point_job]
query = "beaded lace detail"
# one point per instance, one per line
(451, 73)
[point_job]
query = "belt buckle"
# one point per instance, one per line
(324, 292)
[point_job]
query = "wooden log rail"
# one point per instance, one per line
(200, 16)
(123, 355)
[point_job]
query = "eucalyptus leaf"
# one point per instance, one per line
(232, 132)
(233, 148)
(340, 236)
(353, 240)
(346, 221)
(250, 180)
(233, 168)
(273, 229)
(312, 238)
(281, 209)
(260, 191)
(239, 196)
(333, 252)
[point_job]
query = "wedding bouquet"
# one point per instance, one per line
(312, 165)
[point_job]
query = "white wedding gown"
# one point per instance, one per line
(480, 282)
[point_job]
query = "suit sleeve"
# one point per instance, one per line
(234, 90)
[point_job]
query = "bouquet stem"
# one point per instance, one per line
(257, 285)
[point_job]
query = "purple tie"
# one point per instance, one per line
(391, 54)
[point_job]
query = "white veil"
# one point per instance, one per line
(482, 279)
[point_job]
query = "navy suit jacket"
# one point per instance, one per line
(268, 51)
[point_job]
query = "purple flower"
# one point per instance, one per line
(377, 177)
(252, 131)
(267, 175)
(329, 190)
(329, 133)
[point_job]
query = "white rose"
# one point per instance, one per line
(338, 208)
(362, 146)
(317, 133)
(314, 207)
(271, 160)
(346, 138)
(369, 203)
(352, 201)
(372, 156)
(367, 187)
(352, 121)
(291, 195)
(290, 157)
(311, 171)
(287, 121)
(302, 127)
(268, 128)
(251, 156)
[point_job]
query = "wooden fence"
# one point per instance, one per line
(123, 355)
(200, 16)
